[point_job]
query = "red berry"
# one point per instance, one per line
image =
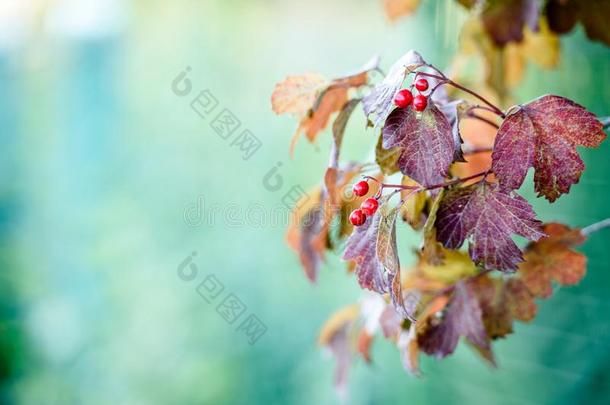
(403, 98)
(357, 217)
(421, 84)
(360, 188)
(420, 102)
(369, 206)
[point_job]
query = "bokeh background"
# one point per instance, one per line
(100, 160)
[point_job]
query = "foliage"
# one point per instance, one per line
(449, 293)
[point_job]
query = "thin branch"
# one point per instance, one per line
(588, 230)
(482, 107)
(471, 114)
(383, 186)
(458, 181)
(444, 78)
(474, 151)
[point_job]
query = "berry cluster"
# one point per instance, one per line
(367, 208)
(404, 97)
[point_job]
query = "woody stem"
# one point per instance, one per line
(588, 230)
(445, 79)
(432, 187)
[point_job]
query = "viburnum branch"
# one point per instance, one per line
(450, 183)
(420, 138)
(471, 114)
(482, 107)
(475, 150)
(446, 80)
(588, 230)
(458, 181)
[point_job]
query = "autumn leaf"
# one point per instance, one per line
(502, 302)
(313, 99)
(387, 253)
(488, 216)
(409, 350)
(336, 200)
(414, 204)
(432, 250)
(317, 119)
(541, 47)
(335, 336)
(362, 247)
(491, 62)
(365, 341)
(479, 138)
(339, 130)
(306, 234)
(593, 14)
(330, 177)
(380, 100)
(462, 317)
(390, 322)
(503, 68)
(505, 20)
(386, 249)
(543, 134)
(454, 111)
(342, 318)
(455, 266)
(426, 141)
(551, 259)
(349, 202)
(387, 159)
(296, 94)
(394, 9)
(519, 300)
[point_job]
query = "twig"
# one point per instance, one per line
(474, 151)
(383, 186)
(588, 230)
(474, 115)
(445, 79)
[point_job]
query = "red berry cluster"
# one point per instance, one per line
(367, 208)
(404, 97)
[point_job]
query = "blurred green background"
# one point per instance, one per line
(100, 159)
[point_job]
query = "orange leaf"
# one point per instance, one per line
(395, 9)
(338, 322)
(331, 101)
(365, 340)
(297, 94)
(552, 259)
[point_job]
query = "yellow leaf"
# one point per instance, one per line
(542, 47)
(394, 9)
(331, 101)
(413, 207)
(387, 159)
(297, 94)
(337, 321)
(456, 265)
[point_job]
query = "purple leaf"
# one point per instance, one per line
(462, 317)
(454, 111)
(505, 20)
(362, 247)
(426, 140)
(544, 134)
(488, 216)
